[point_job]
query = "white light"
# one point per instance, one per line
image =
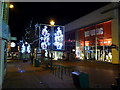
(28, 48)
(73, 50)
(45, 38)
(12, 44)
(58, 39)
(52, 22)
(26, 43)
(11, 6)
(23, 48)
(46, 53)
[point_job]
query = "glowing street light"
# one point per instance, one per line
(11, 6)
(12, 44)
(52, 22)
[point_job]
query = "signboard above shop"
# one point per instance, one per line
(98, 31)
(13, 38)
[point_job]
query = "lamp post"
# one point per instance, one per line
(52, 24)
(11, 6)
(51, 38)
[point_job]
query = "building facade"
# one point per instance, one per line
(4, 38)
(95, 36)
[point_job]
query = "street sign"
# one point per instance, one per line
(13, 38)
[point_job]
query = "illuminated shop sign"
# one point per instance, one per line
(87, 43)
(81, 43)
(58, 39)
(45, 37)
(99, 31)
(92, 32)
(87, 33)
(106, 42)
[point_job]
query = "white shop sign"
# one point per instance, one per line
(99, 31)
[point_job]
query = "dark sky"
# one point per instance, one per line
(41, 12)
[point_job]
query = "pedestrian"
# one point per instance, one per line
(72, 56)
(32, 57)
(63, 56)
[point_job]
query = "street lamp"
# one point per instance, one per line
(50, 38)
(11, 6)
(52, 23)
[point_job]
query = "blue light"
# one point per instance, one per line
(58, 39)
(45, 38)
(28, 48)
(21, 71)
(23, 48)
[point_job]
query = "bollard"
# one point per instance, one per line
(61, 73)
(65, 70)
(58, 71)
(80, 79)
(114, 87)
(55, 70)
(62, 68)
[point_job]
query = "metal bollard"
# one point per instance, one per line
(61, 73)
(58, 71)
(55, 70)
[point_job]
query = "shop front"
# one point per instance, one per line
(95, 42)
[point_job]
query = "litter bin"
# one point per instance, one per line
(36, 62)
(80, 79)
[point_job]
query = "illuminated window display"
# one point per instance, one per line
(58, 38)
(57, 55)
(95, 42)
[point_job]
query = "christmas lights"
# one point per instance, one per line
(45, 38)
(58, 39)
(23, 48)
(28, 48)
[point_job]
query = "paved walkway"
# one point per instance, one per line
(101, 75)
(24, 75)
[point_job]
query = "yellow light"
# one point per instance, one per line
(11, 6)
(52, 22)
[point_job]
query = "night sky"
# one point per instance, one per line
(42, 12)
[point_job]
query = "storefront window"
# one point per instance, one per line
(95, 42)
